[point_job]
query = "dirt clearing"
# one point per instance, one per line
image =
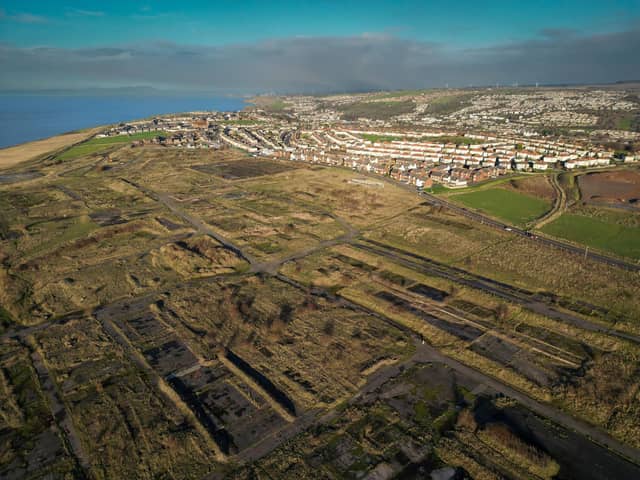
(622, 186)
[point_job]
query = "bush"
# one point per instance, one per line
(329, 327)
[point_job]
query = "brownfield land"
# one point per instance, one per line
(206, 314)
(614, 187)
(537, 186)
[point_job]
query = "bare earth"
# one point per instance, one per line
(13, 155)
(611, 187)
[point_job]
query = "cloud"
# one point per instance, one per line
(327, 64)
(558, 33)
(76, 12)
(23, 17)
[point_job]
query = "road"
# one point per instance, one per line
(195, 222)
(510, 293)
(479, 217)
(59, 412)
(273, 266)
(559, 205)
(270, 267)
(550, 242)
(424, 352)
(529, 300)
(427, 353)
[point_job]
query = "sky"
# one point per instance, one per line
(315, 46)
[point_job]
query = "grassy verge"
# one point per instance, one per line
(376, 110)
(102, 144)
(457, 139)
(597, 233)
(510, 206)
(437, 188)
(448, 104)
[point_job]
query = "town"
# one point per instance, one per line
(417, 157)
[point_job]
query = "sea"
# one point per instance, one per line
(24, 118)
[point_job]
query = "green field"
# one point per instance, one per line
(400, 93)
(95, 145)
(437, 188)
(376, 110)
(457, 139)
(507, 205)
(625, 123)
(276, 106)
(374, 137)
(448, 104)
(596, 233)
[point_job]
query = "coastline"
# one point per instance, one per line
(28, 118)
(16, 154)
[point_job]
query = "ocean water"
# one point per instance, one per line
(24, 118)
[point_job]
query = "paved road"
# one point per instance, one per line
(427, 353)
(519, 296)
(478, 217)
(59, 411)
(195, 222)
(257, 266)
(273, 266)
(595, 434)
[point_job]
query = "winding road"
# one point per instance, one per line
(559, 205)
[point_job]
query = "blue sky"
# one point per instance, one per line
(455, 23)
(304, 45)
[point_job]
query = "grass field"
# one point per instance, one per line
(625, 123)
(510, 206)
(270, 104)
(400, 93)
(277, 106)
(100, 144)
(20, 153)
(437, 188)
(448, 104)
(596, 233)
(457, 139)
(376, 110)
(376, 138)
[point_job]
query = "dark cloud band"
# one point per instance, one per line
(322, 64)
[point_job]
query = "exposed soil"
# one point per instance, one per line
(616, 187)
(537, 186)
